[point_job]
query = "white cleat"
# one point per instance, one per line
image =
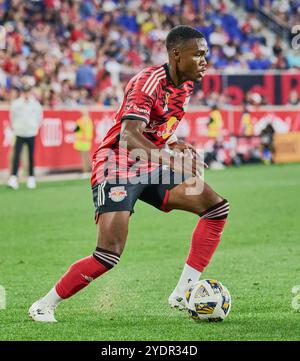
(176, 301)
(31, 183)
(42, 312)
(13, 182)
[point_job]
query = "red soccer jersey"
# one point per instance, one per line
(152, 97)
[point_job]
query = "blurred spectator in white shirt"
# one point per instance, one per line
(26, 115)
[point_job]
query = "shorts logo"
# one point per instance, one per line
(117, 194)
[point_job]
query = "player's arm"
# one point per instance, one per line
(132, 134)
(135, 117)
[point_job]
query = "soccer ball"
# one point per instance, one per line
(208, 300)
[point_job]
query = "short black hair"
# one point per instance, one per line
(181, 34)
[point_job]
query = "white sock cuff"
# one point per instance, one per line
(195, 274)
(188, 275)
(52, 297)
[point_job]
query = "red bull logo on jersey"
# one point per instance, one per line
(170, 128)
(164, 130)
(117, 194)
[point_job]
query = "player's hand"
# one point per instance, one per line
(191, 156)
(180, 146)
(188, 163)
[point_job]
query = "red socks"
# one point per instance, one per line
(84, 271)
(206, 235)
(205, 239)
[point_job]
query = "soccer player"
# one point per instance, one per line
(154, 103)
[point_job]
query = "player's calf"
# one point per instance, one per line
(207, 235)
(205, 239)
(79, 275)
(84, 271)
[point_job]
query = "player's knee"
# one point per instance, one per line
(112, 240)
(109, 259)
(113, 243)
(219, 210)
(210, 200)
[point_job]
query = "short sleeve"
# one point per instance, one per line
(138, 100)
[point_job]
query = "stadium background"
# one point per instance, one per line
(77, 54)
(82, 53)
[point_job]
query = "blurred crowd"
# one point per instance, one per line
(238, 150)
(252, 98)
(75, 53)
(285, 11)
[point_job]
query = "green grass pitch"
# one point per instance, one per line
(43, 231)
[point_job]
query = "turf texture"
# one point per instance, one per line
(43, 231)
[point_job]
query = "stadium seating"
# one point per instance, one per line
(82, 52)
